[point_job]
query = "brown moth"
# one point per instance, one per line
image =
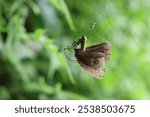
(92, 58)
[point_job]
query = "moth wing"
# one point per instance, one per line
(92, 62)
(97, 47)
(102, 47)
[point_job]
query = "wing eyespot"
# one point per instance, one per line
(96, 61)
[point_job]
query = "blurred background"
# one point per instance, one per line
(34, 33)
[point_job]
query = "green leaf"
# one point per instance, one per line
(62, 7)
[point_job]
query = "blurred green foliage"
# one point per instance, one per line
(33, 34)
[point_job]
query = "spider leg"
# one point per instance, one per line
(70, 49)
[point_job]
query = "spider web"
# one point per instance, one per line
(93, 27)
